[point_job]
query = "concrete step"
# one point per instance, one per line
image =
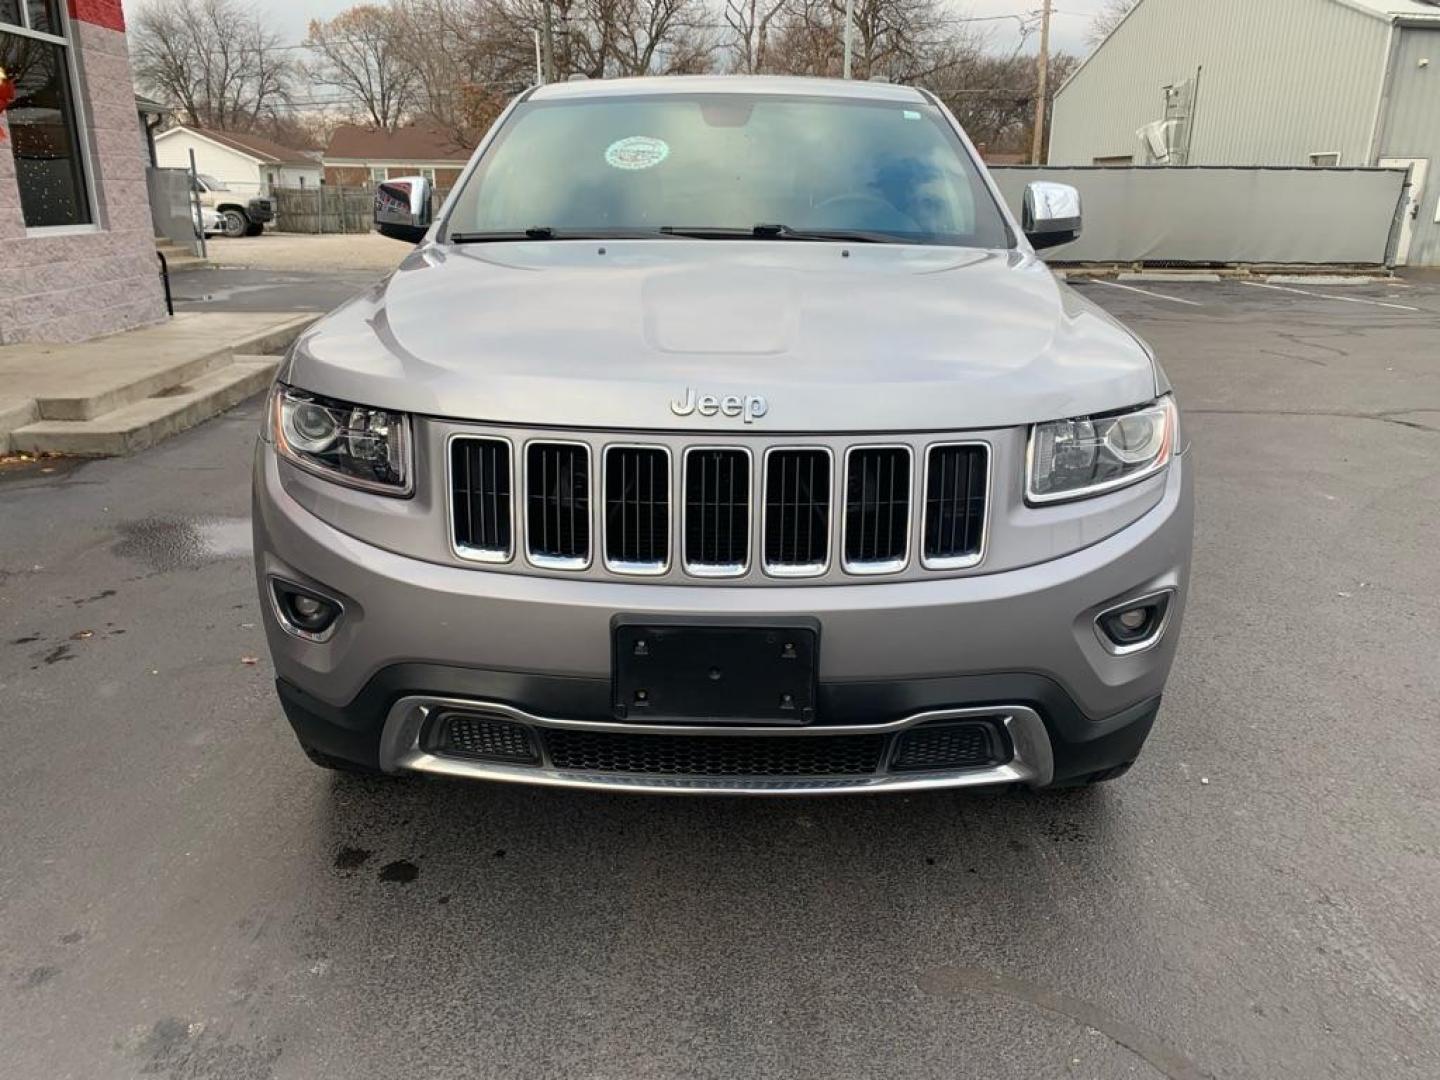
(113, 388)
(183, 260)
(14, 413)
(178, 256)
(137, 425)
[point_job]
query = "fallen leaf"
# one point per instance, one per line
(81, 635)
(249, 661)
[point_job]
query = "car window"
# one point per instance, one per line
(211, 184)
(732, 161)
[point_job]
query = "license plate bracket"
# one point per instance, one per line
(714, 673)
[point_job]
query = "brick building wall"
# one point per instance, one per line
(347, 176)
(68, 287)
(359, 175)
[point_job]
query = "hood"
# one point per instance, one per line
(869, 337)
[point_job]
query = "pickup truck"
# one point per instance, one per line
(243, 217)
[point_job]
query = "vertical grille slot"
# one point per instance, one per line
(557, 511)
(480, 500)
(955, 496)
(717, 512)
(637, 509)
(797, 512)
(877, 509)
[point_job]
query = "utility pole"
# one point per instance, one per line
(547, 43)
(1037, 148)
(849, 33)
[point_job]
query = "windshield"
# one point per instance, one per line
(892, 170)
(211, 184)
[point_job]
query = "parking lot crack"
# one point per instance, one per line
(1396, 416)
(949, 982)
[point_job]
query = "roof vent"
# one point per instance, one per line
(578, 76)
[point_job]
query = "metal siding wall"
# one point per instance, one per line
(1412, 130)
(1283, 79)
(1223, 215)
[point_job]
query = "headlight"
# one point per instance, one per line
(350, 444)
(1070, 459)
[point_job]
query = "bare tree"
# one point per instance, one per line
(213, 60)
(610, 38)
(993, 97)
(360, 54)
(902, 40)
(1108, 18)
(446, 43)
(749, 23)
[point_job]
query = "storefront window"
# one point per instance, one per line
(44, 134)
(42, 17)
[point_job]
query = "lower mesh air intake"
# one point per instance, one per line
(485, 737)
(705, 755)
(945, 746)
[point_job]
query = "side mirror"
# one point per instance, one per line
(1051, 215)
(402, 208)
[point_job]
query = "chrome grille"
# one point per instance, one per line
(717, 511)
(956, 492)
(877, 509)
(480, 499)
(557, 482)
(680, 508)
(637, 509)
(797, 512)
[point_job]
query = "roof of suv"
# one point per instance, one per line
(727, 84)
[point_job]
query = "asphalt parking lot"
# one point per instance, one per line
(183, 895)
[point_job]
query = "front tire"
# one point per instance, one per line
(235, 223)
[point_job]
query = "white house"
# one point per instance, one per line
(246, 164)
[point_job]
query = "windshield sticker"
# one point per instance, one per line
(911, 114)
(636, 152)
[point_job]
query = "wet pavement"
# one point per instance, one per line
(242, 289)
(182, 895)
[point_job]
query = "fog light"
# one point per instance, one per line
(303, 613)
(1130, 619)
(307, 607)
(1134, 625)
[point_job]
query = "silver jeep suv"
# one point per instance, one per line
(723, 434)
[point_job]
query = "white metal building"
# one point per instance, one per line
(1267, 82)
(246, 164)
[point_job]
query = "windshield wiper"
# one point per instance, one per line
(546, 232)
(500, 236)
(766, 231)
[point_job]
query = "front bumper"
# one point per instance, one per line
(1017, 649)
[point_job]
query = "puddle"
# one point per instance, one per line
(183, 543)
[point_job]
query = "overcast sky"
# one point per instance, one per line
(1068, 30)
